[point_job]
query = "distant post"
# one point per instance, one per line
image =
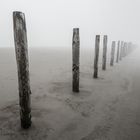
(104, 52)
(76, 52)
(96, 57)
(118, 51)
(129, 47)
(112, 53)
(121, 50)
(124, 49)
(21, 50)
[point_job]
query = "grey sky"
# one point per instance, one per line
(50, 22)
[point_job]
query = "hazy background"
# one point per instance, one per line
(50, 22)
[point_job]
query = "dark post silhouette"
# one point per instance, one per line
(96, 57)
(118, 51)
(112, 53)
(121, 50)
(76, 52)
(21, 50)
(104, 52)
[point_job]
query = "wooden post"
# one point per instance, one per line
(112, 53)
(129, 47)
(118, 51)
(97, 43)
(76, 52)
(121, 50)
(104, 52)
(20, 38)
(124, 49)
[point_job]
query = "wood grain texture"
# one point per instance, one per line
(20, 37)
(76, 55)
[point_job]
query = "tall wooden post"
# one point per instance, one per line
(20, 38)
(112, 53)
(96, 57)
(118, 51)
(76, 52)
(104, 52)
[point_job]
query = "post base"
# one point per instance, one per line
(25, 124)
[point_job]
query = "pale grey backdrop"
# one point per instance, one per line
(50, 22)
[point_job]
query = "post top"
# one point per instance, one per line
(97, 35)
(113, 42)
(105, 35)
(17, 12)
(75, 28)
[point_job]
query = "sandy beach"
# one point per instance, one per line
(107, 108)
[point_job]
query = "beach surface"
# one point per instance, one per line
(107, 108)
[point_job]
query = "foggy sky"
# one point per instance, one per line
(50, 22)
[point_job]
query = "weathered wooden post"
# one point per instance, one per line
(112, 53)
(121, 50)
(118, 51)
(104, 52)
(20, 38)
(76, 52)
(96, 57)
(128, 48)
(124, 49)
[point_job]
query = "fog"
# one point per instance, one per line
(74, 97)
(50, 22)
